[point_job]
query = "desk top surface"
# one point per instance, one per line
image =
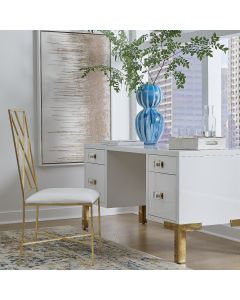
(162, 149)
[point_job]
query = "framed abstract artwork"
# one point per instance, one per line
(72, 110)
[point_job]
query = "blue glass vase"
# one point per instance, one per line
(149, 122)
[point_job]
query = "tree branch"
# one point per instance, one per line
(159, 72)
(149, 74)
(176, 53)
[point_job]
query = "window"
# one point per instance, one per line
(216, 82)
(182, 108)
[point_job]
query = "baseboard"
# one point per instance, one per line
(57, 213)
(224, 231)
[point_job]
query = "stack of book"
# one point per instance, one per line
(197, 143)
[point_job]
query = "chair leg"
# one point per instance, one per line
(85, 217)
(92, 235)
(99, 219)
(23, 227)
(36, 224)
(99, 225)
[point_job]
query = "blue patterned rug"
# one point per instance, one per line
(70, 255)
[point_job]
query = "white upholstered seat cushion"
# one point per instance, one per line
(63, 195)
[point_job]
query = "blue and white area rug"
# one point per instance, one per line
(71, 255)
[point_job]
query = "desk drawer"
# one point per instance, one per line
(162, 196)
(94, 179)
(162, 164)
(94, 156)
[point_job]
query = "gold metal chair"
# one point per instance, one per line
(31, 196)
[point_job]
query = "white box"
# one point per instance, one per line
(197, 143)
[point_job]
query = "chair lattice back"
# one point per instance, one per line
(23, 150)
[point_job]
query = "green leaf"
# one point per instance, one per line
(165, 50)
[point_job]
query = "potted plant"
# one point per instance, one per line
(164, 49)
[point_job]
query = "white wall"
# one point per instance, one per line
(18, 89)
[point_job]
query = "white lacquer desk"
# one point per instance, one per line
(183, 189)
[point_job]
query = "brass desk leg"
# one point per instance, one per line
(180, 238)
(180, 246)
(85, 217)
(142, 214)
(235, 223)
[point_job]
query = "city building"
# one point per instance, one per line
(182, 108)
(234, 91)
(224, 101)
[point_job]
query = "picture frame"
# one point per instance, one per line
(53, 149)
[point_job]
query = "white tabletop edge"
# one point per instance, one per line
(163, 150)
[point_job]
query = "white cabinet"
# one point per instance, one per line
(94, 179)
(162, 186)
(117, 176)
(184, 187)
(95, 172)
(162, 196)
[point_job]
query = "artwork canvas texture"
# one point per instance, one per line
(74, 110)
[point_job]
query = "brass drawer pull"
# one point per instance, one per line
(158, 195)
(92, 155)
(159, 164)
(92, 181)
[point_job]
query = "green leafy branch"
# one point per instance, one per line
(164, 49)
(114, 76)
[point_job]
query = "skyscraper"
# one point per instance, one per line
(224, 104)
(181, 108)
(234, 91)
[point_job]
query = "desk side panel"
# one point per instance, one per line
(209, 189)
